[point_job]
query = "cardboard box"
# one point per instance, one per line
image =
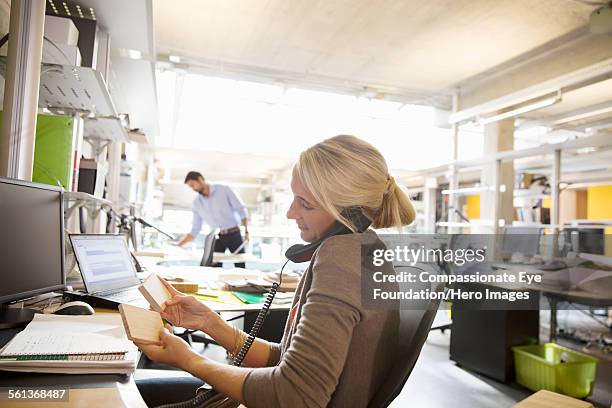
(61, 30)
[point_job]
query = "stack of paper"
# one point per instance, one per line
(92, 344)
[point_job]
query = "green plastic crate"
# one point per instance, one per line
(555, 368)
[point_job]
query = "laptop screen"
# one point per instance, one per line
(105, 262)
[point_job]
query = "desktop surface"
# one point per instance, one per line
(84, 390)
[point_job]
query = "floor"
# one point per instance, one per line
(436, 381)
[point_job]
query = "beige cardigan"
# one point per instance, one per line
(334, 352)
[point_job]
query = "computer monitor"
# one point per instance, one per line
(32, 247)
(586, 240)
(523, 240)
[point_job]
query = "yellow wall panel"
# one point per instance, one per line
(473, 207)
(599, 203)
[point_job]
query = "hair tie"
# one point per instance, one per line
(390, 181)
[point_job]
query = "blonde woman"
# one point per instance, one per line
(334, 351)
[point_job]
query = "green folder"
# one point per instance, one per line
(53, 150)
(53, 154)
(250, 298)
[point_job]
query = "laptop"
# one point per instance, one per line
(108, 273)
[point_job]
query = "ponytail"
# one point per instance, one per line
(344, 172)
(396, 209)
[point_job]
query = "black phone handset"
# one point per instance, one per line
(297, 253)
(303, 253)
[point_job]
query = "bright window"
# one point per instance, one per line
(217, 114)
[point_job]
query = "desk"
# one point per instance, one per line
(149, 259)
(275, 323)
(220, 257)
(548, 399)
(204, 274)
(555, 294)
(482, 339)
(110, 390)
(91, 390)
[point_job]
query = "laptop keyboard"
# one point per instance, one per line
(124, 296)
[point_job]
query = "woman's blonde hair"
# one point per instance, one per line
(345, 172)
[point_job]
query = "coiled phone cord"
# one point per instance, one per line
(202, 397)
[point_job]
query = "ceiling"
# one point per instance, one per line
(418, 49)
(413, 51)
(586, 106)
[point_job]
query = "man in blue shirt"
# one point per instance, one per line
(219, 207)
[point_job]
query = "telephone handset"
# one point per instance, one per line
(303, 252)
(296, 253)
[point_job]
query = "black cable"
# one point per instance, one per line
(235, 318)
(4, 39)
(261, 316)
(201, 398)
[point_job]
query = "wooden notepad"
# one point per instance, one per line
(185, 287)
(140, 324)
(155, 292)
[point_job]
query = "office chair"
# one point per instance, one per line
(209, 248)
(207, 255)
(413, 331)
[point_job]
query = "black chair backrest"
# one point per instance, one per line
(413, 331)
(209, 249)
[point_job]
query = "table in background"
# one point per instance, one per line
(272, 329)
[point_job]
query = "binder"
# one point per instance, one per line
(72, 345)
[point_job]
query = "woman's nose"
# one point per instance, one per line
(292, 212)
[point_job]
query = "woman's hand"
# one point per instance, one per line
(188, 312)
(172, 350)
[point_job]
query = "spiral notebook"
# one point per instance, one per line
(71, 344)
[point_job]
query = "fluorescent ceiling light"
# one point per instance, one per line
(174, 58)
(586, 150)
(473, 190)
(583, 115)
(523, 109)
(134, 54)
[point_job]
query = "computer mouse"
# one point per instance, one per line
(75, 308)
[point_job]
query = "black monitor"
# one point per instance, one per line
(521, 239)
(585, 239)
(32, 245)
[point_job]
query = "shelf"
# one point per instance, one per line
(138, 137)
(103, 128)
(85, 197)
(74, 89)
(526, 193)
(473, 190)
(80, 199)
(472, 223)
(67, 89)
